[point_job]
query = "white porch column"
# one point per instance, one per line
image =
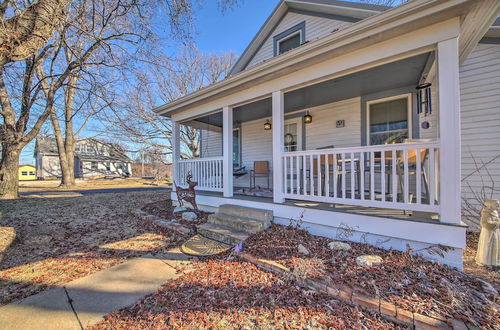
(277, 127)
(449, 130)
(227, 146)
(176, 151)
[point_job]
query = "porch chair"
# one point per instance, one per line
(260, 169)
(412, 166)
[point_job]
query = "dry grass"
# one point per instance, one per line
(61, 239)
(39, 186)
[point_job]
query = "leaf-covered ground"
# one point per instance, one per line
(229, 294)
(409, 281)
(61, 239)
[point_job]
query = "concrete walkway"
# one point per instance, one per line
(86, 300)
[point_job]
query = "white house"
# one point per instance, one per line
(326, 97)
(93, 158)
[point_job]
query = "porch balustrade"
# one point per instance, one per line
(206, 171)
(396, 176)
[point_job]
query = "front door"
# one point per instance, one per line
(293, 134)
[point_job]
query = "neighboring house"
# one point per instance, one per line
(93, 158)
(27, 172)
(326, 94)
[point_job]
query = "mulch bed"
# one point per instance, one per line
(164, 209)
(409, 281)
(234, 295)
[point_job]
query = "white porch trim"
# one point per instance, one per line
(176, 151)
(449, 130)
(278, 102)
(227, 146)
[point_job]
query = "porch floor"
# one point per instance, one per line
(371, 211)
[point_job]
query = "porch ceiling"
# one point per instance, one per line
(406, 72)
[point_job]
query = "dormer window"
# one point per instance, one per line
(290, 39)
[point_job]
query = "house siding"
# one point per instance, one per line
(316, 27)
(211, 143)
(480, 121)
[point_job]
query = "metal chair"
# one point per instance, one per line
(260, 169)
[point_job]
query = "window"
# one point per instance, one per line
(289, 43)
(94, 166)
(289, 39)
(108, 166)
(236, 148)
(89, 149)
(24, 173)
(77, 148)
(32, 173)
(389, 120)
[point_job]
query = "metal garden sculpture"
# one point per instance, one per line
(187, 194)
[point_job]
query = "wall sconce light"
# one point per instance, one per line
(308, 118)
(267, 125)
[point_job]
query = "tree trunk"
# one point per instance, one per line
(9, 173)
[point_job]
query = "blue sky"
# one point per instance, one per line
(234, 29)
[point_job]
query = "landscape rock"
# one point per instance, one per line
(336, 245)
(189, 216)
(368, 260)
(302, 249)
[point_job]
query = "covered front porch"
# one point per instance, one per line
(366, 139)
(343, 140)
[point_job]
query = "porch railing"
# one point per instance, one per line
(206, 171)
(396, 176)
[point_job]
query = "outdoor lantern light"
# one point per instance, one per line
(308, 118)
(267, 125)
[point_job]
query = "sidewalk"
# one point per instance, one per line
(86, 300)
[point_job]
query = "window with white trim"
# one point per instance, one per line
(289, 43)
(389, 120)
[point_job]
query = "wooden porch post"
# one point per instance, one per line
(277, 127)
(227, 146)
(449, 131)
(176, 151)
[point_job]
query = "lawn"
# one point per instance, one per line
(101, 183)
(61, 239)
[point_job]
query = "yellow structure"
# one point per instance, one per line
(27, 172)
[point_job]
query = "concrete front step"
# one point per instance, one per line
(247, 212)
(237, 222)
(221, 233)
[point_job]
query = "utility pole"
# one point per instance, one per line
(142, 163)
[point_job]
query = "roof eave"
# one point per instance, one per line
(357, 31)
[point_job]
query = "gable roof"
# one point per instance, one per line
(353, 10)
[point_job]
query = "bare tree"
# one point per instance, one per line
(34, 66)
(132, 117)
(389, 3)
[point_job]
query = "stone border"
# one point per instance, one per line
(360, 297)
(160, 222)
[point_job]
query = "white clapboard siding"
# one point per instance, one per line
(211, 143)
(316, 27)
(480, 117)
(322, 132)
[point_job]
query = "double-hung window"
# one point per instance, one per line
(389, 120)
